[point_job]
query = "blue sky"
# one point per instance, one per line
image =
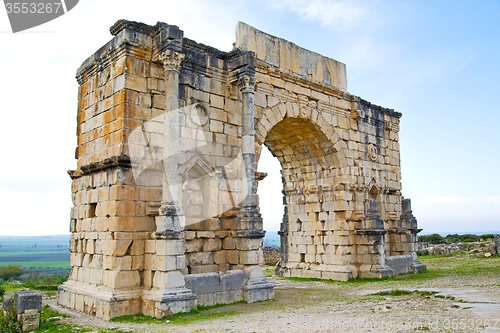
(434, 61)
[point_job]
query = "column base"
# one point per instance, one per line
(163, 303)
(417, 266)
(99, 301)
(258, 288)
(375, 271)
(404, 264)
(330, 272)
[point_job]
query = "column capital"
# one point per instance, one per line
(171, 60)
(247, 84)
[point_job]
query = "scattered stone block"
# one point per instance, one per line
(28, 306)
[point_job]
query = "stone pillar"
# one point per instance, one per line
(370, 244)
(409, 225)
(249, 217)
(372, 219)
(249, 221)
(169, 293)
(170, 217)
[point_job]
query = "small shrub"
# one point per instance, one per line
(427, 293)
(488, 237)
(432, 239)
(395, 292)
(10, 272)
(43, 282)
(2, 292)
(455, 238)
(470, 238)
(8, 321)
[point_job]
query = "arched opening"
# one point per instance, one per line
(270, 196)
(309, 165)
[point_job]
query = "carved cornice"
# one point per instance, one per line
(122, 161)
(365, 104)
(171, 60)
(246, 84)
(202, 48)
(131, 25)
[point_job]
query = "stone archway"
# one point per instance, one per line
(310, 153)
(270, 117)
(165, 215)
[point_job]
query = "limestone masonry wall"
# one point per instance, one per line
(169, 134)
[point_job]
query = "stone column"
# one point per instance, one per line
(169, 293)
(370, 244)
(249, 208)
(409, 226)
(248, 221)
(170, 217)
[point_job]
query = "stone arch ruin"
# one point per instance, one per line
(165, 213)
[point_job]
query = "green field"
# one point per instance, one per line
(34, 243)
(29, 253)
(38, 252)
(28, 259)
(39, 264)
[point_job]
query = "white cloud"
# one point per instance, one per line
(495, 200)
(339, 15)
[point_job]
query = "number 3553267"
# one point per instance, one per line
(33, 7)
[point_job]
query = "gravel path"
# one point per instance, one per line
(461, 303)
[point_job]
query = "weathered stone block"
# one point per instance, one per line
(232, 257)
(150, 246)
(205, 234)
(24, 301)
(229, 243)
(123, 279)
(233, 280)
(212, 244)
(200, 258)
(201, 269)
(203, 283)
(116, 247)
(137, 248)
(250, 257)
(167, 280)
(165, 263)
(138, 263)
(170, 247)
(248, 243)
(117, 263)
(194, 245)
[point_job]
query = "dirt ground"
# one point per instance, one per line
(458, 294)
